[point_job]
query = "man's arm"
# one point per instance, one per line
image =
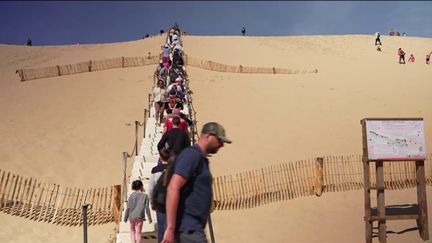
(172, 201)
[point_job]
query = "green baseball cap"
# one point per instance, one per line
(215, 129)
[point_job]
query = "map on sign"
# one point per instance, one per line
(395, 139)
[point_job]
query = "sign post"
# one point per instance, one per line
(393, 140)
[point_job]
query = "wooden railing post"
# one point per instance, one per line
(125, 157)
(145, 122)
(319, 181)
(149, 104)
(136, 137)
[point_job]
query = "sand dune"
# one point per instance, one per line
(71, 130)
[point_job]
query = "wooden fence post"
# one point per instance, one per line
(319, 176)
(116, 200)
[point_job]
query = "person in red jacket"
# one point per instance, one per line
(401, 55)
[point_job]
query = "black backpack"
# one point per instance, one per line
(160, 188)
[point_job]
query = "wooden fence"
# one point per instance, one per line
(124, 62)
(87, 66)
(219, 67)
(306, 178)
(54, 204)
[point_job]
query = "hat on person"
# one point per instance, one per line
(215, 129)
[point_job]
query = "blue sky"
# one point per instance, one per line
(60, 23)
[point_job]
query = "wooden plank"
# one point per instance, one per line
(367, 201)
(289, 186)
(292, 180)
(104, 205)
(11, 193)
(238, 194)
(33, 200)
(339, 183)
(310, 176)
(264, 186)
(15, 199)
(243, 192)
(332, 178)
(300, 179)
(45, 206)
(2, 191)
(26, 199)
(288, 171)
(348, 166)
(116, 199)
(67, 210)
(230, 191)
(57, 208)
(77, 213)
(280, 180)
(319, 181)
(343, 169)
(105, 197)
(98, 205)
(50, 195)
(259, 184)
(219, 194)
(69, 220)
(224, 192)
(52, 203)
(21, 204)
(394, 217)
(39, 209)
(422, 200)
(380, 202)
(254, 189)
(273, 184)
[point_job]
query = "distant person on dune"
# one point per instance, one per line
(401, 55)
(243, 31)
(29, 42)
(377, 39)
(428, 58)
(411, 58)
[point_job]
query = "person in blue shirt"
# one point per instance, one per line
(189, 192)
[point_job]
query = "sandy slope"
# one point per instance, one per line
(71, 130)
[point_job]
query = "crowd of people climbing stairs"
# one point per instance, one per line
(184, 209)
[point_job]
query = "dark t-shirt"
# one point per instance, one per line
(177, 140)
(196, 194)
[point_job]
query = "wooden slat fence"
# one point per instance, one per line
(220, 67)
(51, 203)
(299, 179)
(124, 62)
(87, 66)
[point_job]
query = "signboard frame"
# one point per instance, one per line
(367, 147)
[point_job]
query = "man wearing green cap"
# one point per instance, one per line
(189, 193)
